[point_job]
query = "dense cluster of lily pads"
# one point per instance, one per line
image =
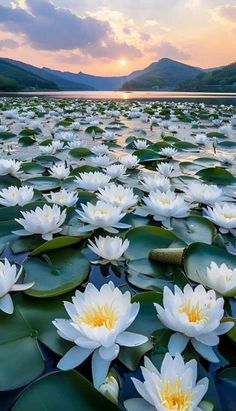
(118, 265)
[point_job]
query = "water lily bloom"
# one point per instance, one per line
(100, 161)
(118, 196)
(116, 171)
(13, 196)
(100, 149)
(168, 152)
(152, 182)
(223, 215)
(98, 323)
(195, 315)
(8, 279)
(141, 144)
(165, 169)
(163, 206)
(220, 278)
(9, 167)
(226, 158)
(101, 215)
(110, 389)
(203, 193)
(45, 221)
(63, 198)
(201, 139)
(92, 181)
(174, 388)
(109, 136)
(60, 171)
(74, 144)
(129, 161)
(109, 248)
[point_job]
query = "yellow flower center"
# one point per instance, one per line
(174, 397)
(193, 312)
(229, 215)
(165, 201)
(100, 212)
(99, 316)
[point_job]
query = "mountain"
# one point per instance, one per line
(97, 82)
(164, 74)
(62, 84)
(219, 80)
(13, 78)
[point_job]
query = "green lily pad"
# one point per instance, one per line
(63, 391)
(57, 274)
(216, 175)
(80, 152)
(194, 229)
(43, 183)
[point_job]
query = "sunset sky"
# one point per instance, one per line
(113, 37)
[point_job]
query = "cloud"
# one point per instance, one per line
(227, 12)
(167, 49)
(8, 44)
(47, 27)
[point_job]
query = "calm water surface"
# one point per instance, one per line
(209, 98)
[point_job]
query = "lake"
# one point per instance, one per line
(208, 98)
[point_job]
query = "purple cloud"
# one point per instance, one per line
(47, 27)
(228, 12)
(167, 49)
(8, 44)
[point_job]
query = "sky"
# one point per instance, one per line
(116, 37)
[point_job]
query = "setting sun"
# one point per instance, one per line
(123, 62)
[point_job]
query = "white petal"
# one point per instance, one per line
(205, 351)
(74, 357)
(100, 369)
(177, 343)
(129, 339)
(224, 327)
(6, 304)
(22, 287)
(109, 354)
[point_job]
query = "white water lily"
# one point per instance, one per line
(165, 169)
(226, 158)
(129, 161)
(174, 388)
(220, 278)
(203, 193)
(195, 315)
(74, 144)
(224, 216)
(141, 144)
(8, 279)
(110, 389)
(45, 221)
(116, 171)
(100, 150)
(109, 136)
(92, 181)
(9, 167)
(163, 206)
(109, 248)
(201, 139)
(13, 196)
(63, 198)
(60, 171)
(168, 152)
(118, 196)
(101, 215)
(100, 161)
(98, 323)
(152, 182)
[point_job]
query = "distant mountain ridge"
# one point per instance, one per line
(165, 74)
(219, 80)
